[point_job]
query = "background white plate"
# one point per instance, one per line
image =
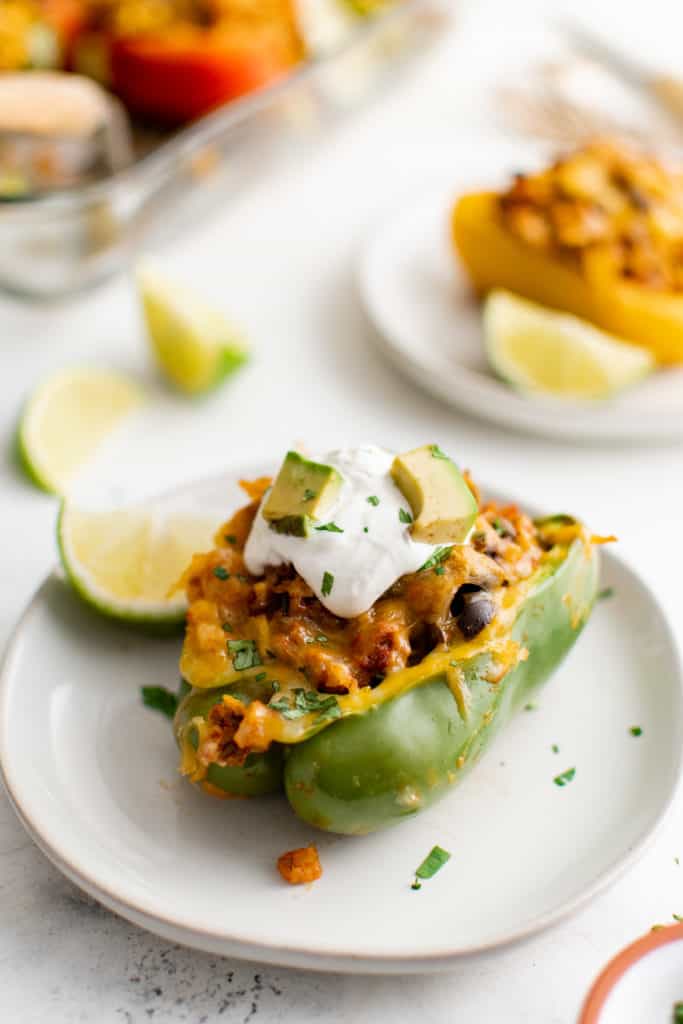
(92, 773)
(429, 325)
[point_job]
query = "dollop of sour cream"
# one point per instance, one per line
(348, 571)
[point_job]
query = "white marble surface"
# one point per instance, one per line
(280, 260)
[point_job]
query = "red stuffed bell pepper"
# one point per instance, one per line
(176, 71)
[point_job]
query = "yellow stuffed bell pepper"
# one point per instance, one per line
(598, 234)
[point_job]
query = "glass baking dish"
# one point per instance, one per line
(56, 244)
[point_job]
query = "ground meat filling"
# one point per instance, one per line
(218, 745)
(452, 600)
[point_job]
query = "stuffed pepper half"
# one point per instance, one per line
(362, 630)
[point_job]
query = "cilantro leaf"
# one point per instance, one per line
(405, 517)
(373, 500)
(221, 573)
(564, 778)
(439, 556)
(433, 862)
(159, 699)
(328, 583)
(329, 528)
(244, 654)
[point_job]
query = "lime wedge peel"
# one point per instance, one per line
(194, 346)
(66, 418)
(541, 351)
(125, 562)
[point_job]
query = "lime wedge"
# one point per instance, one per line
(540, 350)
(195, 346)
(66, 418)
(125, 562)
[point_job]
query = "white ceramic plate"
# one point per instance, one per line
(92, 774)
(429, 326)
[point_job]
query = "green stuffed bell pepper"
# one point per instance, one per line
(365, 720)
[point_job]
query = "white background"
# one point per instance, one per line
(280, 259)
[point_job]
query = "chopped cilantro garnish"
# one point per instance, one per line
(160, 699)
(416, 885)
(555, 749)
(231, 538)
(677, 861)
(226, 627)
(309, 495)
(437, 453)
(439, 571)
(305, 703)
(373, 500)
(439, 556)
(565, 777)
(404, 517)
(433, 862)
(530, 707)
(329, 528)
(260, 676)
(328, 583)
(635, 730)
(499, 526)
(220, 573)
(242, 578)
(678, 1013)
(605, 593)
(677, 917)
(365, 529)
(285, 709)
(244, 654)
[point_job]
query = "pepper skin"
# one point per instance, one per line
(370, 771)
(588, 286)
(173, 80)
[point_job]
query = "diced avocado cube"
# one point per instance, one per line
(303, 491)
(444, 509)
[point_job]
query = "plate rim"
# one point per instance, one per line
(285, 954)
(532, 416)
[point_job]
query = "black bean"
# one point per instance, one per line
(473, 609)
